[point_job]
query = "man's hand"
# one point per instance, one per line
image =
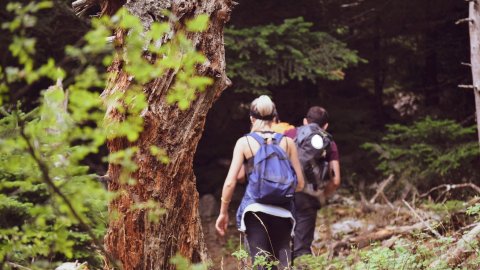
(330, 189)
(319, 194)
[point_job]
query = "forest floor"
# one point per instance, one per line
(428, 233)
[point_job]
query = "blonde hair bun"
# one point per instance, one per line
(263, 112)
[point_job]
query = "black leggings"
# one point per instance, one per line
(271, 234)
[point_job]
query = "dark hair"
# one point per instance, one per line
(317, 114)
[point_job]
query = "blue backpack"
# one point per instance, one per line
(272, 179)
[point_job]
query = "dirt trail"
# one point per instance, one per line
(220, 248)
(347, 223)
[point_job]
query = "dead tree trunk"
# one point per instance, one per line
(132, 239)
(474, 19)
(379, 70)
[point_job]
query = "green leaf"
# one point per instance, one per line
(198, 24)
(158, 30)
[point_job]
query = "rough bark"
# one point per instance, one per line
(474, 16)
(432, 90)
(132, 239)
(379, 70)
(430, 77)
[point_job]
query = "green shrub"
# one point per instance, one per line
(428, 152)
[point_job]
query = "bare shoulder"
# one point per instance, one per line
(289, 141)
(241, 142)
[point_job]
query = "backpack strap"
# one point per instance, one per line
(246, 138)
(277, 138)
(258, 138)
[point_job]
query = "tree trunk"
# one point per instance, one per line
(136, 242)
(431, 89)
(379, 71)
(430, 76)
(474, 16)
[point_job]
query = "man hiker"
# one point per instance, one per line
(307, 202)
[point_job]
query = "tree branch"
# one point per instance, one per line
(464, 20)
(421, 220)
(18, 266)
(381, 187)
(449, 187)
(54, 189)
(82, 6)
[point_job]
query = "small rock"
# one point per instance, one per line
(347, 226)
(72, 266)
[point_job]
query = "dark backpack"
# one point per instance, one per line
(272, 179)
(313, 144)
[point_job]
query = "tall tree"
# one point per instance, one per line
(132, 238)
(474, 19)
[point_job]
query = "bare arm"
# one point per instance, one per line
(229, 187)
(293, 155)
(241, 175)
(334, 172)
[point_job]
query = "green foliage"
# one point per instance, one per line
(22, 48)
(178, 54)
(182, 263)
(198, 24)
(263, 259)
(404, 255)
(271, 55)
(52, 208)
(428, 151)
(240, 254)
(474, 210)
(312, 262)
(448, 206)
(385, 258)
(41, 225)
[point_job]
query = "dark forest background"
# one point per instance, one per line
(411, 66)
(370, 63)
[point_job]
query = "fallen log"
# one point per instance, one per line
(365, 240)
(385, 233)
(459, 252)
(449, 187)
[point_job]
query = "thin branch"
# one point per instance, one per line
(50, 183)
(449, 187)
(387, 201)
(464, 20)
(268, 234)
(18, 266)
(421, 220)
(381, 187)
(467, 86)
(82, 6)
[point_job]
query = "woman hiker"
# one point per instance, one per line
(268, 227)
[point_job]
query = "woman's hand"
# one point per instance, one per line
(222, 223)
